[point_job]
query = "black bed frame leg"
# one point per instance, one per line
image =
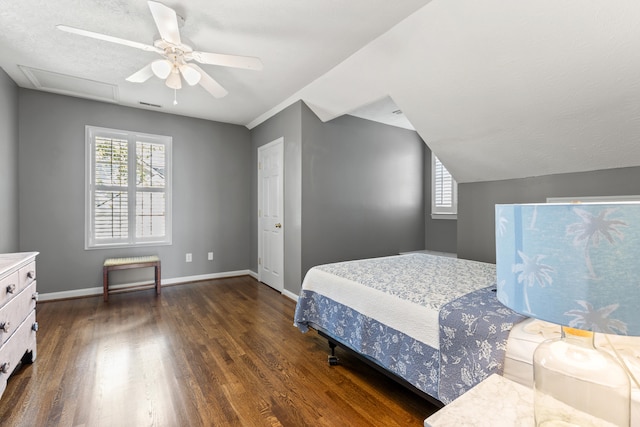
(333, 360)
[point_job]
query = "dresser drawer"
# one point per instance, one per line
(27, 274)
(12, 351)
(9, 287)
(13, 313)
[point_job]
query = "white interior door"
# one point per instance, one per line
(270, 214)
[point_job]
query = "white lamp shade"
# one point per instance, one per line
(161, 68)
(191, 75)
(575, 265)
(174, 81)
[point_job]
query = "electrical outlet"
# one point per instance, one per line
(210, 256)
(189, 258)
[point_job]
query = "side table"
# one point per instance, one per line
(496, 401)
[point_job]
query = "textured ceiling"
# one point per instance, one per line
(497, 89)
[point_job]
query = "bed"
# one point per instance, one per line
(432, 321)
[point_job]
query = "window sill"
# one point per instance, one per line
(444, 216)
(127, 245)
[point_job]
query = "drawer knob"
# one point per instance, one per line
(31, 274)
(4, 368)
(11, 288)
(35, 296)
(4, 326)
(34, 327)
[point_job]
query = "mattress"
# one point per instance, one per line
(389, 292)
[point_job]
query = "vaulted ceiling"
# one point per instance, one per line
(497, 89)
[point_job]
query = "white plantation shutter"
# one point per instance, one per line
(110, 190)
(111, 220)
(150, 214)
(150, 190)
(128, 189)
(444, 196)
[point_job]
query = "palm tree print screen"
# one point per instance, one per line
(576, 265)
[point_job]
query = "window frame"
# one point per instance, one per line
(132, 188)
(442, 212)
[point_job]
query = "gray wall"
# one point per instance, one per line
(364, 183)
(286, 124)
(353, 189)
(8, 164)
(362, 188)
(211, 182)
(476, 201)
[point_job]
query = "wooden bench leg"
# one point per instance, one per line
(105, 283)
(157, 271)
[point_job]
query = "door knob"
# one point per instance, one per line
(278, 225)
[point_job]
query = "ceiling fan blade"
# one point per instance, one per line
(141, 75)
(166, 21)
(235, 61)
(111, 39)
(207, 82)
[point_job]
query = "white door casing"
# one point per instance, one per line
(270, 214)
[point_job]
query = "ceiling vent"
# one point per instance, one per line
(148, 104)
(70, 85)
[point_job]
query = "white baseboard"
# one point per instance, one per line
(165, 282)
(290, 294)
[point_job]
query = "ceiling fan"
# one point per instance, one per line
(176, 56)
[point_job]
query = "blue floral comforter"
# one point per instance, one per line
(473, 341)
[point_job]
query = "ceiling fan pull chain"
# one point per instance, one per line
(175, 96)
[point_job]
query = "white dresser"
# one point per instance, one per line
(18, 324)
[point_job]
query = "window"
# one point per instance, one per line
(128, 189)
(444, 195)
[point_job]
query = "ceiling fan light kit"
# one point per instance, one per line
(176, 55)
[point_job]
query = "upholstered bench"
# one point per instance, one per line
(111, 264)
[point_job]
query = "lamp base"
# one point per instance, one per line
(577, 385)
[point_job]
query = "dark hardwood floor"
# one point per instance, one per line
(216, 353)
